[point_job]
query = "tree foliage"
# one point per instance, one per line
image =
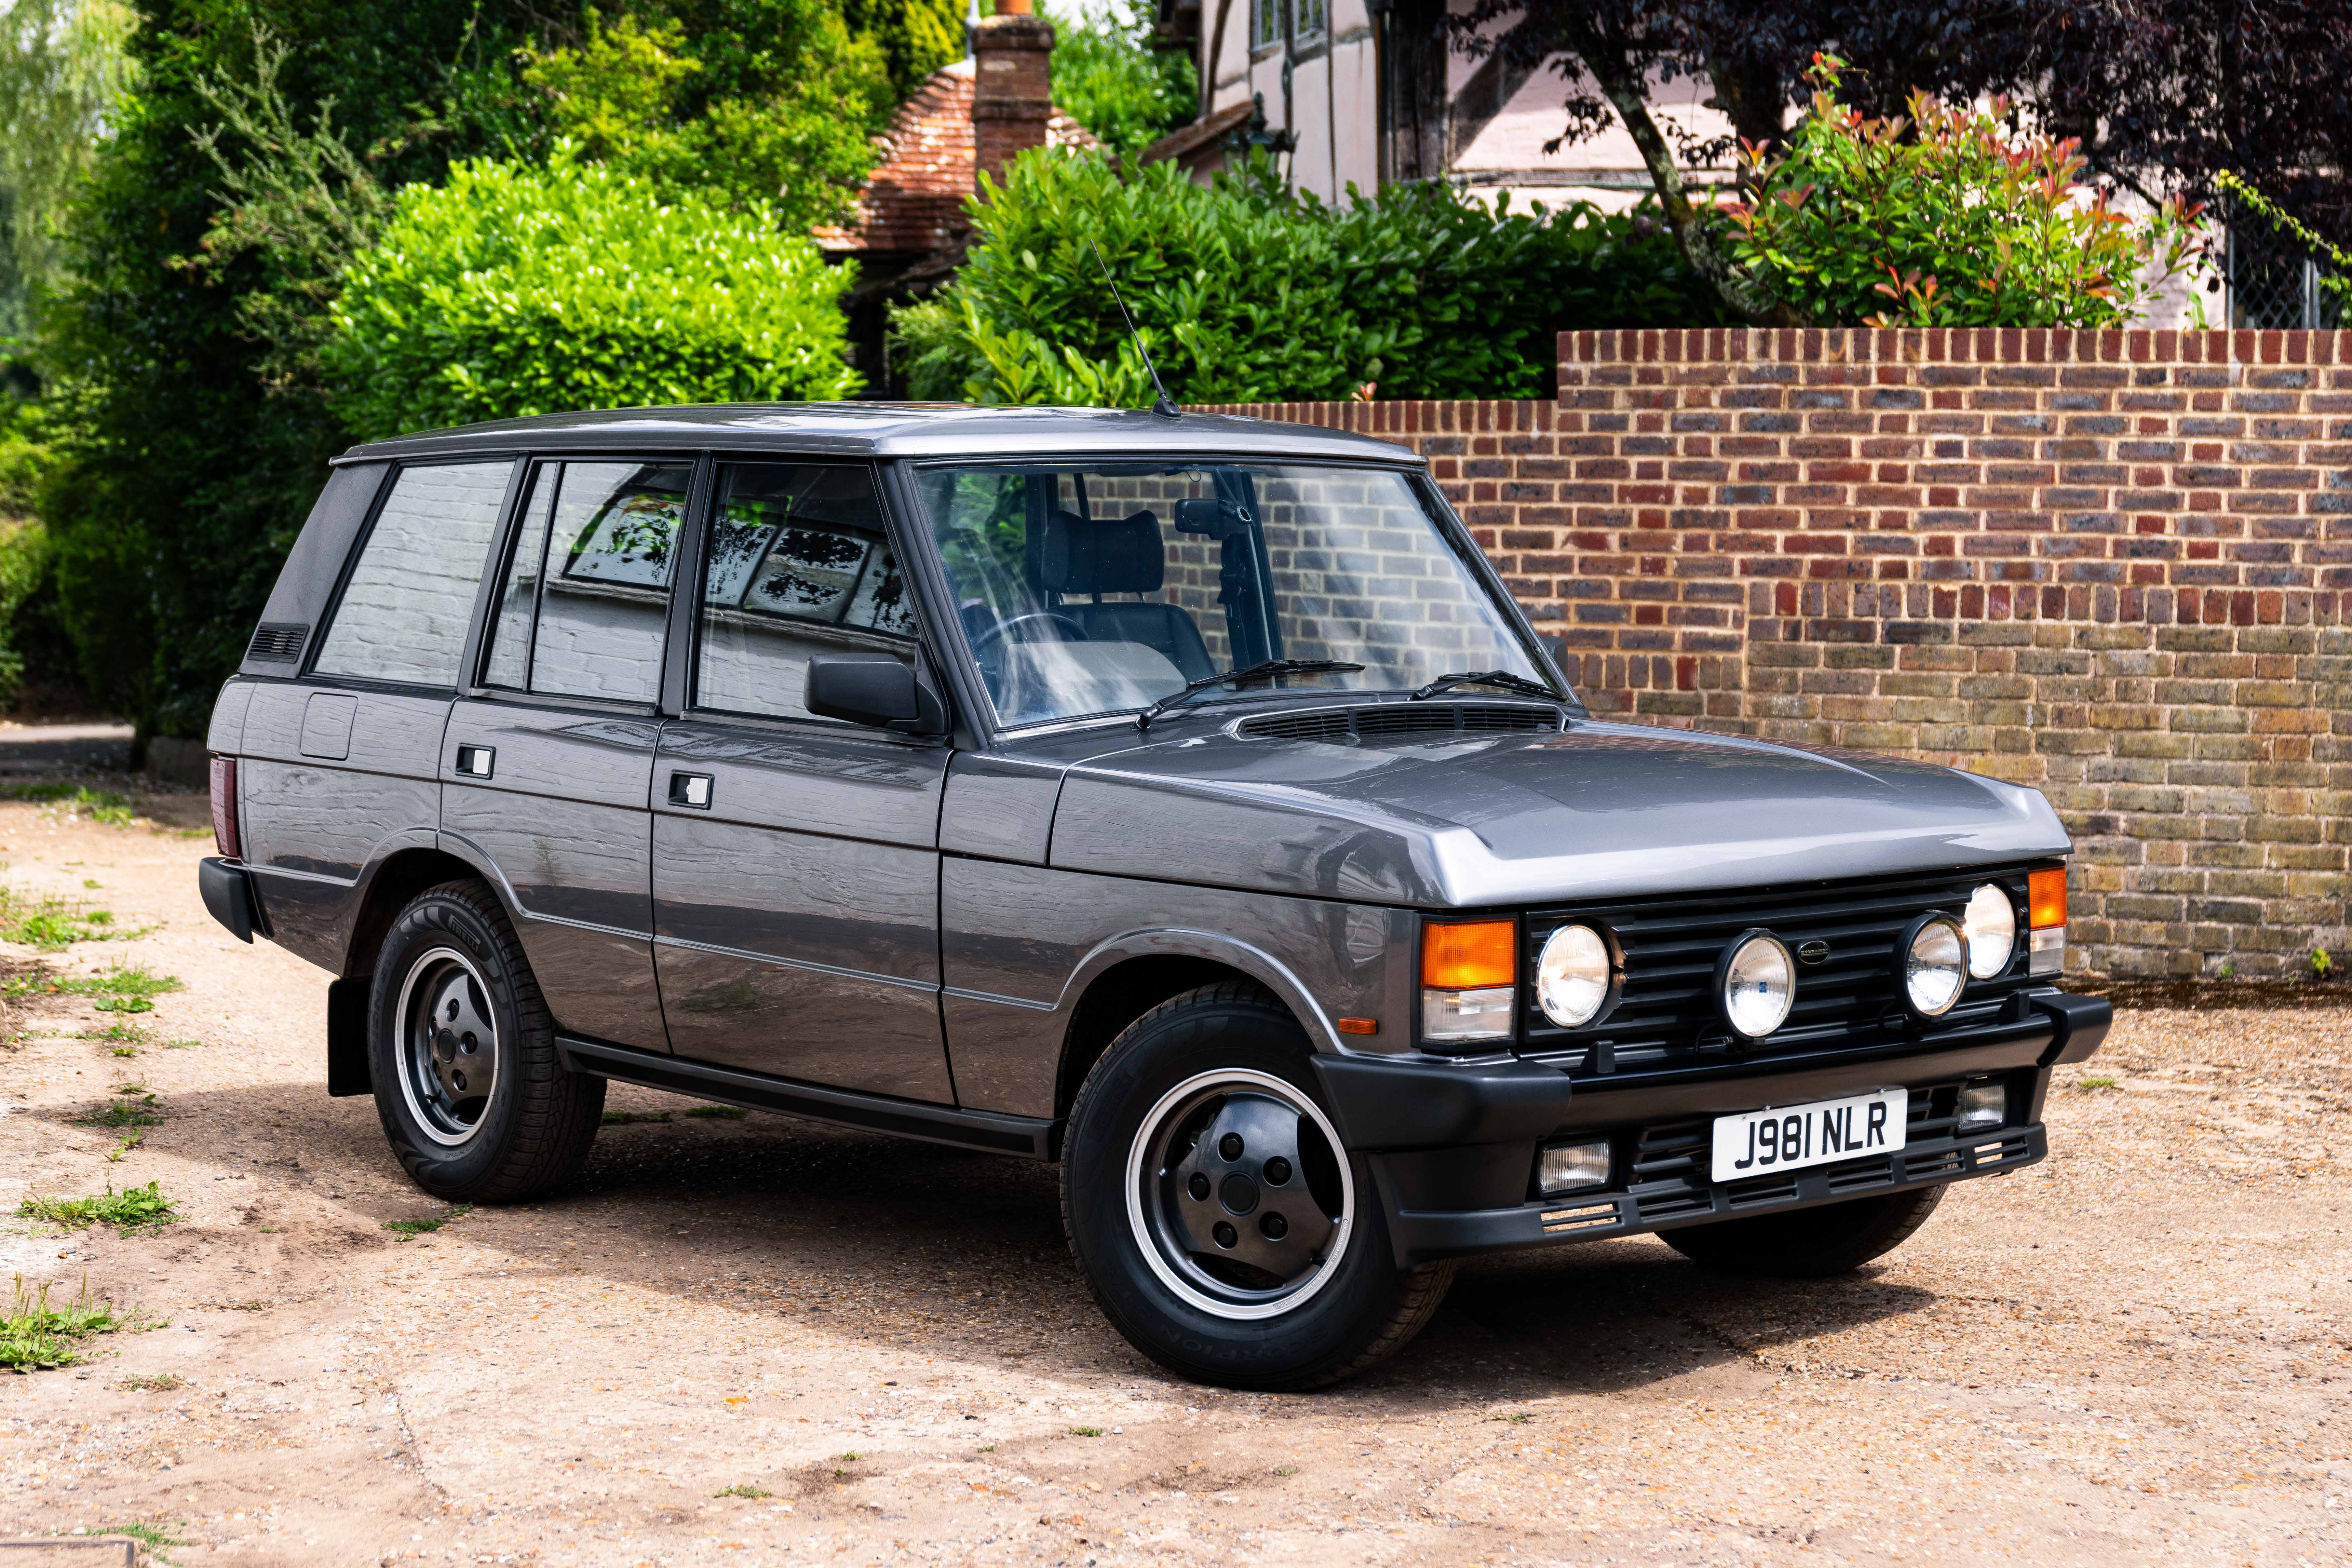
(63, 64)
(1109, 79)
(516, 289)
(1940, 217)
(1247, 290)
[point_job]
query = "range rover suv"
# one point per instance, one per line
(1183, 800)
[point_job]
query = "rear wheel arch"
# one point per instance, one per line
(401, 877)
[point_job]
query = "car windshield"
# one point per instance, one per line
(1107, 587)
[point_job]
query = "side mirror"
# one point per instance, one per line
(875, 689)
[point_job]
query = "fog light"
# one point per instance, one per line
(1758, 983)
(1983, 1107)
(1935, 965)
(1572, 1167)
(1454, 1017)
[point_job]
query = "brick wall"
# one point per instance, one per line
(2112, 565)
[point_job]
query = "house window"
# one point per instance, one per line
(1272, 20)
(2274, 282)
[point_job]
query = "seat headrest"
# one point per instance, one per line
(1109, 555)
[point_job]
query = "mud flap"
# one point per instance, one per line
(347, 1032)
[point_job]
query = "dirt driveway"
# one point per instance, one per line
(744, 1340)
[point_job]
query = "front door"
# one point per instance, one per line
(547, 765)
(796, 859)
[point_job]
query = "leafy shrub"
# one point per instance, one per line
(516, 289)
(1247, 290)
(785, 119)
(1109, 79)
(1942, 219)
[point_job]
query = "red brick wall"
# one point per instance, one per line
(2112, 565)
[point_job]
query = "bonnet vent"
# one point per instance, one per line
(279, 642)
(1396, 721)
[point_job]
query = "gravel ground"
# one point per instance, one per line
(2138, 1350)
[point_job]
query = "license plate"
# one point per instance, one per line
(1755, 1142)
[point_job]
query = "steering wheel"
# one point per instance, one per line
(1002, 630)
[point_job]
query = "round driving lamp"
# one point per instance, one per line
(1933, 964)
(1991, 927)
(1572, 977)
(1757, 981)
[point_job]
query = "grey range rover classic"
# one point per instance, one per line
(1183, 800)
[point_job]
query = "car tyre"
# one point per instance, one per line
(478, 1105)
(1809, 1244)
(1223, 1228)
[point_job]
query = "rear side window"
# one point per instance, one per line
(404, 610)
(583, 609)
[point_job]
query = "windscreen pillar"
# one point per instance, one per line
(1011, 95)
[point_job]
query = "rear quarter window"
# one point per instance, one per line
(405, 608)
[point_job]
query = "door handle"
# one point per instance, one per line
(475, 761)
(690, 789)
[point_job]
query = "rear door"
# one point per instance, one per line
(340, 765)
(548, 763)
(796, 859)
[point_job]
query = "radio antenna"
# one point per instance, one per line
(1166, 407)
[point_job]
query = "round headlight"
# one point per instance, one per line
(1572, 976)
(1760, 985)
(1935, 965)
(1991, 925)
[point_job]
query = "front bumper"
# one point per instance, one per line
(1451, 1146)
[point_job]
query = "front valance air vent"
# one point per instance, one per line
(279, 642)
(1400, 721)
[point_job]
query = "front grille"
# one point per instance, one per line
(279, 642)
(1399, 721)
(1666, 1018)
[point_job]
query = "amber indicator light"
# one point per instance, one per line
(2046, 897)
(1359, 1025)
(1468, 955)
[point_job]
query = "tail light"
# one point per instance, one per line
(225, 835)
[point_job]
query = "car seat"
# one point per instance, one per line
(1120, 556)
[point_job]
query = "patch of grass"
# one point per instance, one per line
(426, 1226)
(852, 1456)
(2089, 1084)
(125, 988)
(154, 1537)
(624, 1118)
(34, 1335)
(131, 1209)
(717, 1112)
(122, 1113)
(114, 1155)
(118, 1030)
(744, 1490)
(156, 1382)
(1516, 1417)
(1085, 1431)
(50, 924)
(101, 806)
(181, 1045)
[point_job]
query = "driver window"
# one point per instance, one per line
(799, 565)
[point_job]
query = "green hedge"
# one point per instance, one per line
(517, 289)
(1247, 292)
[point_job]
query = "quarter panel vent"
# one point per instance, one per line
(279, 642)
(1399, 720)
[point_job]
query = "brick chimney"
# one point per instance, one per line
(1011, 95)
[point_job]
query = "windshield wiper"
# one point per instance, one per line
(1265, 671)
(1502, 678)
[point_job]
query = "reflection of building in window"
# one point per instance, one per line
(631, 534)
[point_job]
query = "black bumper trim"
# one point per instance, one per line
(228, 896)
(1423, 1237)
(2080, 1024)
(987, 1130)
(1395, 1102)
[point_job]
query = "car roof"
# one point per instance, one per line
(894, 430)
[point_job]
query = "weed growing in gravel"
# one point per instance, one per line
(1286, 1470)
(122, 1113)
(2321, 965)
(624, 1118)
(118, 1030)
(154, 1537)
(114, 1155)
(131, 1209)
(852, 1456)
(424, 1226)
(156, 1383)
(1085, 1431)
(2091, 1084)
(715, 1113)
(125, 988)
(34, 1334)
(180, 1045)
(744, 1490)
(101, 806)
(1514, 1417)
